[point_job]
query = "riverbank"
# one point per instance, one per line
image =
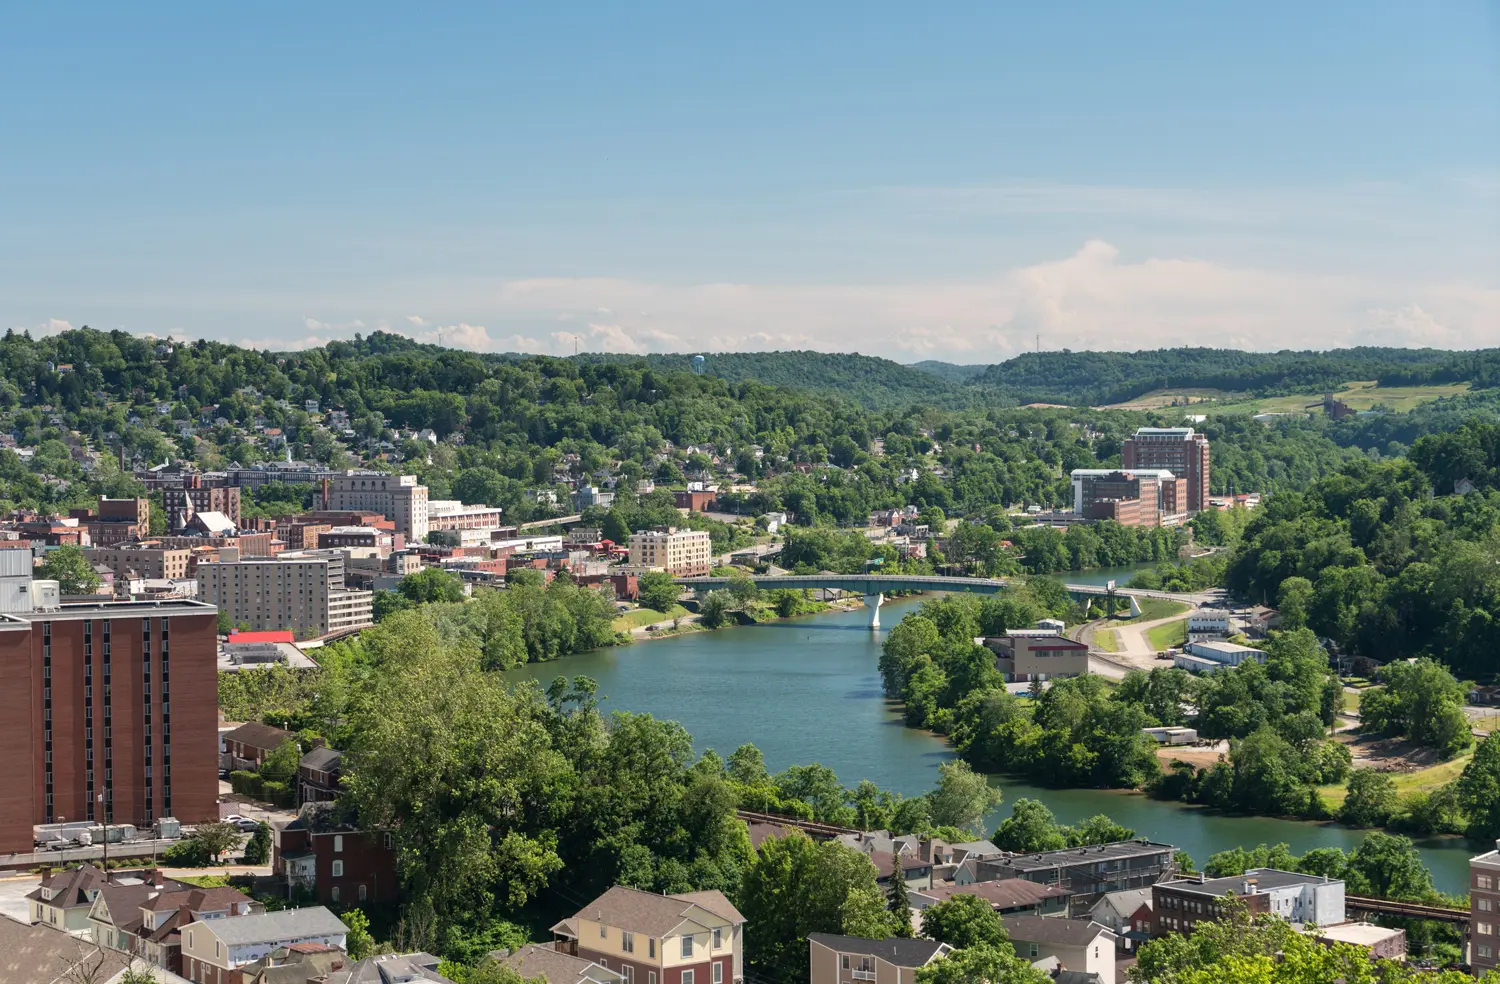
(807, 689)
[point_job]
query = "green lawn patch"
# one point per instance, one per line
(1107, 640)
(645, 616)
(1153, 609)
(1168, 635)
(1420, 781)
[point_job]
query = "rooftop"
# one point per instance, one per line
(1084, 855)
(1049, 929)
(651, 914)
(1252, 882)
(902, 953)
(272, 927)
(539, 960)
(1005, 893)
(1357, 933)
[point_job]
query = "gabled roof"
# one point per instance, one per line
(885, 862)
(258, 735)
(1127, 901)
(1050, 929)
(387, 968)
(654, 915)
(322, 759)
(70, 888)
(41, 955)
(901, 953)
(270, 927)
(537, 960)
(1006, 893)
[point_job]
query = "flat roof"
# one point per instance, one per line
(106, 609)
(1263, 879)
(1081, 855)
(1101, 472)
(1360, 934)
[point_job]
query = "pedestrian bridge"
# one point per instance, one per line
(875, 586)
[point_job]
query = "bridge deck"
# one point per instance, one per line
(872, 584)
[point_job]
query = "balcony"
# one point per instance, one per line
(862, 975)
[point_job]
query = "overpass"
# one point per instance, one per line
(875, 586)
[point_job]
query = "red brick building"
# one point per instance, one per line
(1179, 450)
(693, 500)
(336, 861)
(107, 713)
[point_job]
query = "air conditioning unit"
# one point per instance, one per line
(46, 596)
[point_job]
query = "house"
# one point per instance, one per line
(324, 853)
(248, 745)
(1075, 944)
(834, 959)
(1008, 896)
(1383, 942)
(146, 919)
(64, 898)
(318, 775)
(389, 968)
(296, 964)
(1264, 620)
(1206, 625)
(1023, 655)
(1178, 906)
(218, 951)
(536, 960)
(916, 871)
(690, 938)
(1119, 912)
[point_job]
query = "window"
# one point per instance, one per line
(687, 948)
(651, 977)
(363, 893)
(1483, 881)
(687, 977)
(338, 843)
(629, 973)
(627, 942)
(1484, 905)
(390, 840)
(334, 893)
(718, 938)
(651, 947)
(603, 931)
(1484, 929)
(1033, 950)
(846, 961)
(1484, 951)
(718, 973)
(338, 869)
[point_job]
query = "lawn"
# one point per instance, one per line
(645, 616)
(1168, 635)
(1420, 781)
(1107, 640)
(1358, 396)
(1153, 609)
(1485, 722)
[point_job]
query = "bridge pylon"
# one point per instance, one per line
(872, 602)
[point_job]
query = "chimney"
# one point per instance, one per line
(325, 495)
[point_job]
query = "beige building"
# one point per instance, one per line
(681, 553)
(1073, 944)
(154, 562)
(304, 592)
(397, 497)
(216, 951)
(1025, 655)
(1484, 911)
(855, 960)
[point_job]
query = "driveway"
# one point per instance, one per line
(13, 893)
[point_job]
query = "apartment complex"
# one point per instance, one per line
(1484, 911)
(691, 938)
(304, 592)
(451, 514)
(397, 497)
(93, 697)
(116, 520)
(1140, 497)
(148, 560)
(1179, 450)
(1088, 872)
(681, 553)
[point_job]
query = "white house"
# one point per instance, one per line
(213, 949)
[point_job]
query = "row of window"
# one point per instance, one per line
(628, 972)
(627, 940)
(1484, 881)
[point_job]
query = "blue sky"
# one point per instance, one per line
(886, 178)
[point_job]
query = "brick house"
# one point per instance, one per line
(318, 775)
(691, 938)
(323, 852)
(248, 745)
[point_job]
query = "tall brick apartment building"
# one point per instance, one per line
(1179, 450)
(117, 700)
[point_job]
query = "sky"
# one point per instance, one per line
(959, 181)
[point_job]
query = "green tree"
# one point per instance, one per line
(988, 964)
(899, 902)
(962, 798)
(1372, 800)
(715, 608)
(658, 591)
(1478, 789)
(1030, 827)
(962, 921)
(1098, 829)
(70, 568)
(794, 888)
(258, 847)
(360, 943)
(431, 584)
(1388, 866)
(282, 761)
(216, 838)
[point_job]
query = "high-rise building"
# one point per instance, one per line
(681, 553)
(193, 497)
(108, 713)
(304, 592)
(397, 497)
(1484, 911)
(1179, 450)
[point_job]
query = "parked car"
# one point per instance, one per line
(247, 825)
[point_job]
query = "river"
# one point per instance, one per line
(807, 690)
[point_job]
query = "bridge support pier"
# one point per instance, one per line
(872, 602)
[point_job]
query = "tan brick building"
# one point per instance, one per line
(304, 592)
(681, 553)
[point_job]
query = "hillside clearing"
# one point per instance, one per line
(1168, 635)
(1416, 781)
(646, 616)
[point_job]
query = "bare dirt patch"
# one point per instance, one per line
(1388, 754)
